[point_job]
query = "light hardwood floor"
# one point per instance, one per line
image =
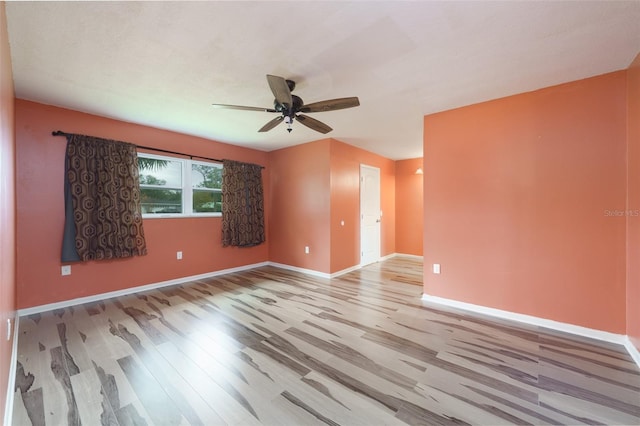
(275, 347)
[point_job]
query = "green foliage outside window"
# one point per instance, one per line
(162, 186)
(209, 177)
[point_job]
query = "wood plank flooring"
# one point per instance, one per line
(274, 347)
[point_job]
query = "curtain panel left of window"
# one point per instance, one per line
(103, 219)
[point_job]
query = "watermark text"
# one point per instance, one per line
(622, 213)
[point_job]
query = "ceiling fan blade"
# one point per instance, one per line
(244, 108)
(280, 90)
(313, 124)
(271, 124)
(331, 105)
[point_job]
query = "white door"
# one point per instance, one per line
(370, 214)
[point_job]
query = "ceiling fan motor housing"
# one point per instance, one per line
(291, 84)
(297, 104)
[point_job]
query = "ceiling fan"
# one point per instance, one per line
(290, 106)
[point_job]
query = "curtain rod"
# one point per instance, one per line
(61, 133)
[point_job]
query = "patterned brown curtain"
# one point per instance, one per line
(103, 219)
(242, 204)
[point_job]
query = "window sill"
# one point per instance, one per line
(179, 216)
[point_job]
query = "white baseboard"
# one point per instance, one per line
(315, 273)
(380, 259)
(410, 256)
(345, 271)
(311, 272)
(11, 385)
(529, 319)
(633, 351)
(605, 336)
(126, 291)
(130, 290)
(387, 257)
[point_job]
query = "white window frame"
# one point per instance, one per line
(187, 187)
(189, 196)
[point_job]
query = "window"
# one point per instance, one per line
(176, 187)
(206, 187)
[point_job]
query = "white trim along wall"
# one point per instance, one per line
(427, 299)
(577, 330)
(11, 385)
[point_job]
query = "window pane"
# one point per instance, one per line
(207, 201)
(206, 176)
(160, 201)
(160, 172)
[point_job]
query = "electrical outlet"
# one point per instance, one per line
(65, 270)
(179, 255)
(306, 249)
(436, 268)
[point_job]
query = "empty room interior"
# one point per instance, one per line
(299, 213)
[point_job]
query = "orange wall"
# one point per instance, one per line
(633, 200)
(300, 200)
(409, 209)
(516, 194)
(345, 203)
(40, 215)
(7, 205)
(315, 186)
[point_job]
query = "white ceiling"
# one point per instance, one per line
(163, 64)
